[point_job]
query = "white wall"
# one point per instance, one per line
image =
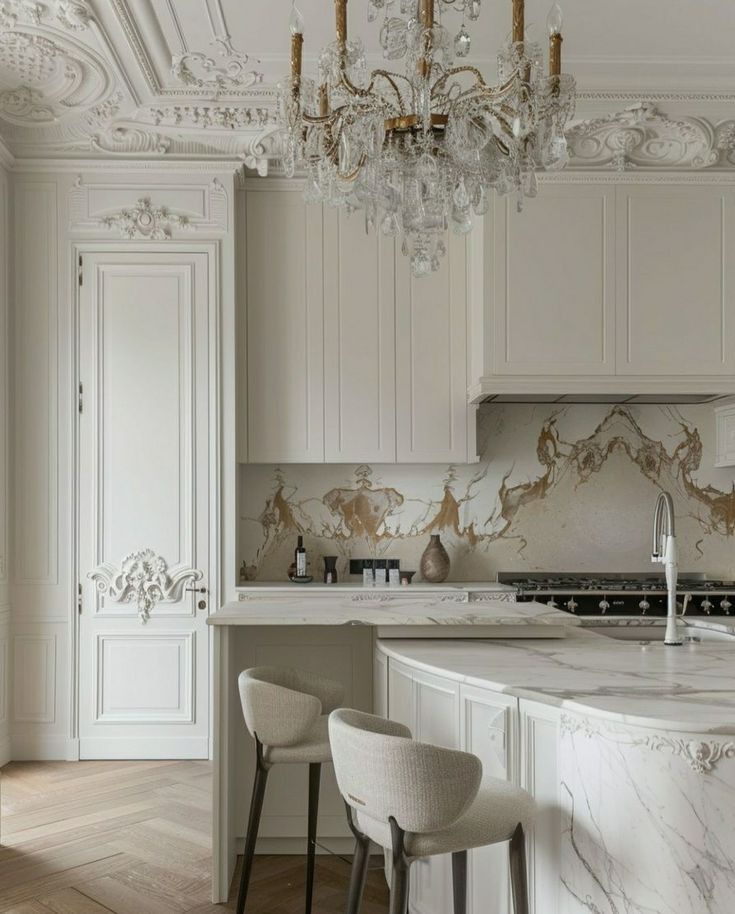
(53, 212)
(4, 599)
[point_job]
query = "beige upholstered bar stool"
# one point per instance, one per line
(286, 711)
(418, 800)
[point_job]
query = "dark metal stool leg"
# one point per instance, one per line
(518, 873)
(459, 881)
(256, 807)
(360, 861)
(315, 772)
(400, 875)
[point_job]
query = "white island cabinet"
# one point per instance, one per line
(628, 752)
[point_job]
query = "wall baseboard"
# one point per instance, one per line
(131, 749)
(5, 749)
(297, 846)
(31, 748)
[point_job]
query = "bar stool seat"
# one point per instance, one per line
(496, 811)
(287, 712)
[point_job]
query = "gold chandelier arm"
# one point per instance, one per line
(480, 86)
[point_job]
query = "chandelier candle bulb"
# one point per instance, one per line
(519, 21)
(554, 23)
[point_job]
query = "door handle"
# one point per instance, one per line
(195, 589)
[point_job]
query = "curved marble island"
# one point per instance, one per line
(629, 749)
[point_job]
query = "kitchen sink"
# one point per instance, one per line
(692, 633)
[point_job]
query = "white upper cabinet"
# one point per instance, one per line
(359, 341)
(600, 289)
(553, 286)
(676, 280)
(431, 361)
(349, 358)
(285, 327)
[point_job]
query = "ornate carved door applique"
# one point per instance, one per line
(143, 578)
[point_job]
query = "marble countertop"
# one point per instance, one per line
(449, 587)
(689, 688)
(370, 609)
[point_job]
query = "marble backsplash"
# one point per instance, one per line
(568, 488)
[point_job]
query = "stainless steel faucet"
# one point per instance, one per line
(664, 551)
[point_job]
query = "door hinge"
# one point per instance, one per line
(79, 599)
(81, 397)
(80, 272)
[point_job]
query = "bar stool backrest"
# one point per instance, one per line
(383, 773)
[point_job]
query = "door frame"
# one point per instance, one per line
(213, 251)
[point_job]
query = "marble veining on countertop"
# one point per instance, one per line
(689, 688)
(418, 610)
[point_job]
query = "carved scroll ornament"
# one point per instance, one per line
(143, 578)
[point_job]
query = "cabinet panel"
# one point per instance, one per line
(553, 283)
(359, 341)
(676, 280)
(431, 359)
(285, 323)
(401, 703)
(540, 777)
(489, 728)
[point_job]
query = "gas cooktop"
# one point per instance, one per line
(621, 594)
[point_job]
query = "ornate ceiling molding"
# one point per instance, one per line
(644, 137)
(72, 15)
(228, 71)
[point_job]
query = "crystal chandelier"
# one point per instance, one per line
(420, 151)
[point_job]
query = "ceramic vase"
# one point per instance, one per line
(435, 562)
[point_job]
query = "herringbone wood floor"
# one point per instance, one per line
(134, 838)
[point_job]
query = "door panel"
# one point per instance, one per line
(144, 477)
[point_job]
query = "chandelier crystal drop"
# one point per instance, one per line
(420, 151)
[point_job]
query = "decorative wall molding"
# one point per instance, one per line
(144, 220)
(702, 755)
(144, 579)
(200, 207)
(203, 117)
(642, 136)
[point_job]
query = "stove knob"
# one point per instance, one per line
(644, 606)
(572, 605)
(552, 603)
(706, 606)
(604, 606)
(725, 606)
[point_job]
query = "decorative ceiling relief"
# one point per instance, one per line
(226, 69)
(44, 79)
(130, 141)
(144, 579)
(73, 15)
(204, 117)
(642, 136)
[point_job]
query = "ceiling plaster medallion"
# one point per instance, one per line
(642, 136)
(43, 79)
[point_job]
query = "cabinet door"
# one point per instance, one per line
(285, 322)
(489, 729)
(676, 280)
(539, 741)
(359, 341)
(431, 360)
(553, 285)
(401, 701)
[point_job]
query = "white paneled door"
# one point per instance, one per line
(144, 504)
